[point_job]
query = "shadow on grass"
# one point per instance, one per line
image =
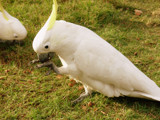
(109, 17)
(146, 107)
(120, 5)
(14, 53)
(129, 107)
(105, 17)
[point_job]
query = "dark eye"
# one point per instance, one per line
(46, 46)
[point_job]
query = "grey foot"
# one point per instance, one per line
(50, 65)
(80, 98)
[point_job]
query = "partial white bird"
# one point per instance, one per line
(10, 27)
(92, 61)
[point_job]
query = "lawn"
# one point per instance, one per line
(26, 93)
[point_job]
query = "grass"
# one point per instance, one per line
(26, 93)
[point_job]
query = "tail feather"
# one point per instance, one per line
(144, 95)
(153, 94)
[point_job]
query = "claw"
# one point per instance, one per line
(80, 98)
(50, 65)
(45, 60)
(40, 66)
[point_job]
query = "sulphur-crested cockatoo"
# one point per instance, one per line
(93, 61)
(10, 27)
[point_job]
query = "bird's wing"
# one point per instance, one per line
(100, 61)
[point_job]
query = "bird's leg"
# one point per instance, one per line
(50, 65)
(87, 92)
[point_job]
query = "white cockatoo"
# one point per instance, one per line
(93, 61)
(10, 27)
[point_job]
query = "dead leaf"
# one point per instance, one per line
(90, 104)
(30, 81)
(71, 84)
(103, 112)
(27, 71)
(72, 80)
(138, 12)
(84, 107)
(135, 53)
(59, 76)
(6, 71)
(95, 109)
(80, 88)
(2, 77)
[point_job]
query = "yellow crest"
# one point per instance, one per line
(3, 12)
(53, 15)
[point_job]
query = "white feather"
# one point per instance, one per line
(95, 63)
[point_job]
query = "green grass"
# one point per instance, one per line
(26, 93)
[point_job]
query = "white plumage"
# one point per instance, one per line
(94, 62)
(10, 27)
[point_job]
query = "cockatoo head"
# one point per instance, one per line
(45, 39)
(10, 27)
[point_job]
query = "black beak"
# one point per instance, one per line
(45, 57)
